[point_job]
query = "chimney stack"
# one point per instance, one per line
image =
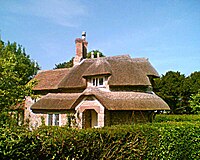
(81, 49)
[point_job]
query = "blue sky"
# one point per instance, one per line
(165, 31)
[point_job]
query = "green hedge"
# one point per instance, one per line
(177, 118)
(169, 140)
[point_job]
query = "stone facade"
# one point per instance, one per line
(90, 113)
(34, 120)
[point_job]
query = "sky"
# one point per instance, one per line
(167, 32)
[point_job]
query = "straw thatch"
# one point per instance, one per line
(145, 66)
(75, 77)
(48, 80)
(55, 101)
(127, 100)
(123, 71)
(99, 67)
(110, 100)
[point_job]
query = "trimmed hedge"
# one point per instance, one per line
(177, 118)
(169, 140)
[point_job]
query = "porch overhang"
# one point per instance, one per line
(126, 100)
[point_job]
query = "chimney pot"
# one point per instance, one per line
(98, 54)
(83, 35)
(92, 54)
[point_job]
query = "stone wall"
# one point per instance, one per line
(143, 116)
(127, 117)
(34, 120)
(30, 118)
(120, 117)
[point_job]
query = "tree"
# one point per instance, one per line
(193, 82)
(192, 85)
(69, 64)
(176, 90)
(171, 87)
(195, 103)
(16, 70)
(95, 54)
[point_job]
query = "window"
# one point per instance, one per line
(53, 119)
(98, 81)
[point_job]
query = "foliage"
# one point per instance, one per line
(195, 103)
(177, 118)
(166, 140)
(176, 90)
(69, 64)
(170, 87)
(16, 69)
(173, 140)
(7, 119)
(193, 82)
(95, 54)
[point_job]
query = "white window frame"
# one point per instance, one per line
(53, 123)
(95, 81)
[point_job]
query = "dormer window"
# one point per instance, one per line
(98, 81)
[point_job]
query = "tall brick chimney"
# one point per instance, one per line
(81, 49)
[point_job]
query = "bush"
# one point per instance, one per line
(167, 140)
(177, 118)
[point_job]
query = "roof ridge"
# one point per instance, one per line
(54, 70)
(125, 56)
(142, 59)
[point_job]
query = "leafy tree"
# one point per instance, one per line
(95, 54)
(191, 86)
(69, 64)
(171, 88)
(193, 82)
(16, 70)
(176, 90)
(195, 103)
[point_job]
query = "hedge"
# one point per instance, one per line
(169, 140)
(177, 118)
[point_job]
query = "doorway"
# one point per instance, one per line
(90, 118)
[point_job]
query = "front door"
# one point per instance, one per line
(90, 118)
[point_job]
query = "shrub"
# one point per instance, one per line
(166, 140)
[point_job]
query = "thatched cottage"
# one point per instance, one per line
(95, 92)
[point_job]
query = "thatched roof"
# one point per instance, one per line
(48, 80)
(123, 71)
(55, 101)
(110, 100)
(99, 67)
(145, 66)
(126, 72)
(75, 77)
(127, 100)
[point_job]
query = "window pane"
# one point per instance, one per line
(50, 119)
(100, 81)
(56, 120)
(93, 81)
(96, 79)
